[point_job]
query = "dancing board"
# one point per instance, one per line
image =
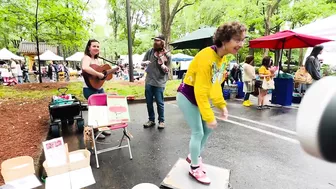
(179, 178)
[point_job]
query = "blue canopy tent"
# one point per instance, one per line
(181, 57)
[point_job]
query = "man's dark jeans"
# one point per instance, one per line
(150, 93)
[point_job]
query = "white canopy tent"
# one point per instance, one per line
(5, 54)
(48, 55)
(76, 57)
(322, 28)
(136, 58)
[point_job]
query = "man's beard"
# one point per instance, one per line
(158, 47)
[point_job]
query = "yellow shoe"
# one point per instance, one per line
(250, 103)
(246, 103)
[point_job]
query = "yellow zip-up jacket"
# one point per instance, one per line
(205, 74)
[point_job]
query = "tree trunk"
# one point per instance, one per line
(164, 12)
(37, 42)
(289, 55)
(267, 31)
(167, 20)
(116, 25)
(251, 30)
(301, 57)
(167, 17)
(270, 8)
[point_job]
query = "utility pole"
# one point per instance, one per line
(129, 36)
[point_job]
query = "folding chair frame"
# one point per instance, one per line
(125, 133)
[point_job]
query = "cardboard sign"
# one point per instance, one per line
(115, 112)
(55, 152)
(117, 109)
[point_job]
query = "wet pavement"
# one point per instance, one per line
(259, 147)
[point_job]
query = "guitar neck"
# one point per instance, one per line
(111, 70)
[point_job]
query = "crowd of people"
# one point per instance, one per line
(17, 72)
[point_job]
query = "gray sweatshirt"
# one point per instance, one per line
(313, 67)
(155, 75)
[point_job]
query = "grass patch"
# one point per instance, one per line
(47, 90)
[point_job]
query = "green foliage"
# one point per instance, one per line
(60, 22)
(76, 88)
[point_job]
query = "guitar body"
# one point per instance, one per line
(93, 81)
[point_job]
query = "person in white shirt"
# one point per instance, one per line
(249, 76)
(19, 73)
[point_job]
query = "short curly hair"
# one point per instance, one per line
(225, 32)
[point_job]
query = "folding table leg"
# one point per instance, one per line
(95, 147)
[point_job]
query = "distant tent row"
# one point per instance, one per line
(5, 54)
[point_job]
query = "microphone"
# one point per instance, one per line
(316, 120)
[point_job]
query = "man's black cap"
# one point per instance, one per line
(159, 37)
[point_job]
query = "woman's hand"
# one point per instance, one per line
(224, 113)
(101, 75)
(212, 124)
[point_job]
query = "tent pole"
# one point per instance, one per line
(280, 58)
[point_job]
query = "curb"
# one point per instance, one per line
(273, 105)
(143, 100)
(134, 101)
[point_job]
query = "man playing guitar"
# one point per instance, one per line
(91, 57)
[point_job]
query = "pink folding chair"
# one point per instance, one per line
(101, 100)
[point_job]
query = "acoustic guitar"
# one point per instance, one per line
(93, 81)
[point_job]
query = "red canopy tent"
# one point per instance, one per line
(286, 40)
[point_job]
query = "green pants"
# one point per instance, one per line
(199, 130)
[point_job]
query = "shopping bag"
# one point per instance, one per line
(249, 86)
(266, 85)
(302, 76)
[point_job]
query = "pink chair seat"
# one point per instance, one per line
(97, 100)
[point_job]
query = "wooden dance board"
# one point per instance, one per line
(179, 178)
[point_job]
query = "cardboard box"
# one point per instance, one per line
(70, 166)
(76, 173)
(17, 167)
(19, 172)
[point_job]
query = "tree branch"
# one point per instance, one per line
(275, 6)
(50, 19)
(176, 10)
(185, 5)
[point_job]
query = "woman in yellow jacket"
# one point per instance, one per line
(202, 83)
(264, 72)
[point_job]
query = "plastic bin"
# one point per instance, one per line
(240, 93)
(283, 92)
(226, 94)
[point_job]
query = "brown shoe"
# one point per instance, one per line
(161, 125)
(149, 124)
(108, 132)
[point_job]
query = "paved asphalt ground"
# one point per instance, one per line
(259, 147)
